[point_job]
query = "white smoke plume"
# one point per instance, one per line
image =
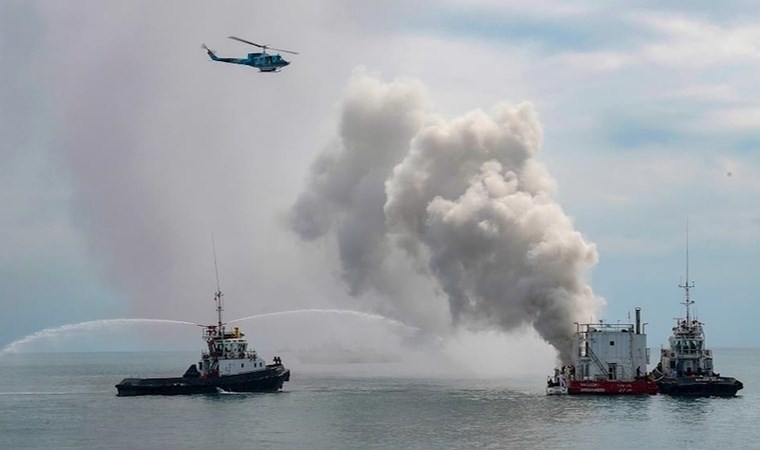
(464, 201)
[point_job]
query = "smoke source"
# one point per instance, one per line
(464, 202)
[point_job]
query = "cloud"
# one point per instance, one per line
(717, 93)
(136, 148)
(595, 61)
(745, 118)
(684, 41)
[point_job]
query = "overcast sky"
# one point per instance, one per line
(123, 149)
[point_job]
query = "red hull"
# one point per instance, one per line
(612, 387)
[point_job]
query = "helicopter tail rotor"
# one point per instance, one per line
(210, 52)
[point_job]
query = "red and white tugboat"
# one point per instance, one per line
(227, 365)
(608, 359)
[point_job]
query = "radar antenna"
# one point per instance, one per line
(688, 284)
(218, 294)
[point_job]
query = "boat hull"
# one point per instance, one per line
(612, 387)
(700, 386)
(556, 390)
(269, 379)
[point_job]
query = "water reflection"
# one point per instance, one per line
(689, 410)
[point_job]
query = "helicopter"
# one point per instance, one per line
(263, 61)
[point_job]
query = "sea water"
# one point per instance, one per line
(68, 400)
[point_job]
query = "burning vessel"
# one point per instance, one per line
(607, 359)
(686, 366)
(228, 364)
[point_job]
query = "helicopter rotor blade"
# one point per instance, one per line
(246, 42)
(235, 38)
(282, 50)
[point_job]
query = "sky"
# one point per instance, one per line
(123, 150)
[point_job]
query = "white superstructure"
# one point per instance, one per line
(228, 352)
(604, 351)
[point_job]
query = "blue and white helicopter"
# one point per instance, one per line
(263, 61)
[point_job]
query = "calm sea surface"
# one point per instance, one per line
(68, 400)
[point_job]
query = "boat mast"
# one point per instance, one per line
(218, 294)
(688, 284)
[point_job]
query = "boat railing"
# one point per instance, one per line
(605, 327)
(690, 352)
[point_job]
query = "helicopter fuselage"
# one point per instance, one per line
(265, 62)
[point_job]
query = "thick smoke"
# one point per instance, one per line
(346, 189)
(466, 202)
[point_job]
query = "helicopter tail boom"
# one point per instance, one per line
(210, 52)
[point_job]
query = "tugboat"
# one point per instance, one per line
(686, 368)
(608, 359)
(228, 365)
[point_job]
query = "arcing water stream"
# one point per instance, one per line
(363, 315)
(93, 325)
